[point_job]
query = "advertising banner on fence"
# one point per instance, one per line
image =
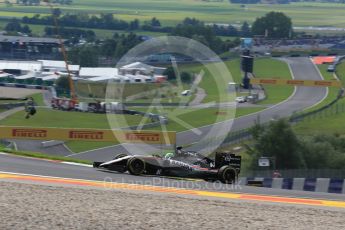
(273, 81)
(121, 136)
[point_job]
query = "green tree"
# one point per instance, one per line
(26, 29)
(324, 151)
(273, 25)
(170, 73)
(155, 22)
(13, 25)
(245, 30)
(56, 12)
(186, 77)
(38, 81)
(62, 83)
(134, 25)
(277, 140)
(85, 56)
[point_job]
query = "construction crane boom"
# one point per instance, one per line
(64, 53)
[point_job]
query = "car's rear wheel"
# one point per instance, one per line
(227, 174)
(136, 166)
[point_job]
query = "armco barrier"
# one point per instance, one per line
(329, 185)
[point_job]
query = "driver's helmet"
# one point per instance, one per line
(169, 155)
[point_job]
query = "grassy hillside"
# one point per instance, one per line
(340, 71)
(331, 121)
(263, 67)
(170, 12)
(183, 119)
(272, 68)
(53, 118)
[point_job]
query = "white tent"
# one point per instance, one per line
(21, 65)
(4, 75)
(104, 78)
(87, 72)
(139, 66)
(58, 66)
(52, 77)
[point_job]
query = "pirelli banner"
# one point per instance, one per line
(121, 136)
(263, 81)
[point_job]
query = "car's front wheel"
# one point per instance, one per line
(136, 166)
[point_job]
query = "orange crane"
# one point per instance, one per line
(67, 104)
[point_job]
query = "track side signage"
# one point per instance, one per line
(266, 81)
(103, 135)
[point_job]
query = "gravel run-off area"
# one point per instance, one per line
(34, 206)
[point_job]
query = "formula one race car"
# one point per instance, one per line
(225, 167)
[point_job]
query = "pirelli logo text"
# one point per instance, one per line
(323, 83)
(86, 135)
(149, 137)
(295, 82)
(29, 133)
(268, 81)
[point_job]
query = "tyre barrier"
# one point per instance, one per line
(328, 185)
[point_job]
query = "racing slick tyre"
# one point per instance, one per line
(120, 155)
(136, 166)
(227, 174)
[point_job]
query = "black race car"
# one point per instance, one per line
(225, 167)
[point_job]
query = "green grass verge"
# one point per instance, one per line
(216, 91)
(61, 119)
(332, 91)
(200, 117)
(132, 93)
(326, 122)
(340, 71)
(43, 156)
(38, 98)
(272, 68)
(52, 118)
(263, 68)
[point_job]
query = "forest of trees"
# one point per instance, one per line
(108, 21)
(278, 140)
(115, 47)
(14, 26)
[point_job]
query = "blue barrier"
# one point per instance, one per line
(267, 182)
(287, 183)
(336, 186)
(309, 184)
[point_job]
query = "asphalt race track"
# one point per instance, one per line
(301, 67)
(16, 164)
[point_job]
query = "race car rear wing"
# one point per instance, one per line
(228, 159)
